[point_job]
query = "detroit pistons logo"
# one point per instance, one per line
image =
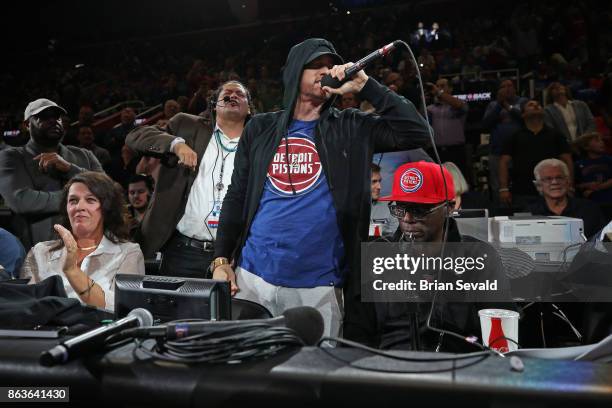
(301, 159)
(411, 180)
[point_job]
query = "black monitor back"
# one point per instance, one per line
(171, 298)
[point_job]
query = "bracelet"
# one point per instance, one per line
(91, 285)
(218, 262)
(503, 190)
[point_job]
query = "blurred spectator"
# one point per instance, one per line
(171, 108)
(32, 177)
(569, 117)
(526, 148)
(464, 198)
(437, 39)
(123, 166)
(379, 213)
(552, 179)
(395, 82)
(199, 101)
(594, 168)
(426, 61)
(11, 253)
(349, 100)
(419, 37)
(170, 88)
(502, 119)
(116, 137)
(447, 115)
(526, 42)
(70, 133)
(85, 138)
(470, 68)
(195, 76)
(86, 115)
(183, 103)
(93, 246)
(140, 190)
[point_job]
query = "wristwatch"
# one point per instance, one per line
(218, 262)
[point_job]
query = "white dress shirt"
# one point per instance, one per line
(101, 265)
(201, 217)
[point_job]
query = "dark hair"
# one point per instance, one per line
(110, 195)
(524, 104)
(375, 168)
(148, 180)
(215, 97)
(549, 98)
(581, 144)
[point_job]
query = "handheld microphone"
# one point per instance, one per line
(331, 82)
(306, 321)
(226, 99)
(93, 339)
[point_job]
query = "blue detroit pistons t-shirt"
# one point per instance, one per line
(294, 240)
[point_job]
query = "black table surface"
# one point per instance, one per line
(308, 377)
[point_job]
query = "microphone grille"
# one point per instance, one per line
(145, 318)
(307, 322)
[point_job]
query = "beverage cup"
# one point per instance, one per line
(499, 329)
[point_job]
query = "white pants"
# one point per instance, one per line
(326, 299)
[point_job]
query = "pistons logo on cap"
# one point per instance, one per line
(411, 180)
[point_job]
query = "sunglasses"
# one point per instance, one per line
(419, 213)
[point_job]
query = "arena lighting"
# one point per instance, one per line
(245, 11)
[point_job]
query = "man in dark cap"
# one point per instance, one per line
(299, 202)
(32, 176)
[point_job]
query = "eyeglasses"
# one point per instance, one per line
(419, 213)
(550, 180)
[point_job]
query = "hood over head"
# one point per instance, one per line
(300, 55)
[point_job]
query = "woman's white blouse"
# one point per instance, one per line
(101, 265)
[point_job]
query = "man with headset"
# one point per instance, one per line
(183, 214)
(422, 200)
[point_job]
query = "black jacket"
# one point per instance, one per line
(346, 141)
(393, 318)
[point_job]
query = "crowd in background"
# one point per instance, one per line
(542, 130)
(460, 42)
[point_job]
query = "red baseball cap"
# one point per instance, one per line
(421, 182)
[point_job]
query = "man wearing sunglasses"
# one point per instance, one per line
(422, 199)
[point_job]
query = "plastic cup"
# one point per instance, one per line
(499, 329)
(375, 230)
